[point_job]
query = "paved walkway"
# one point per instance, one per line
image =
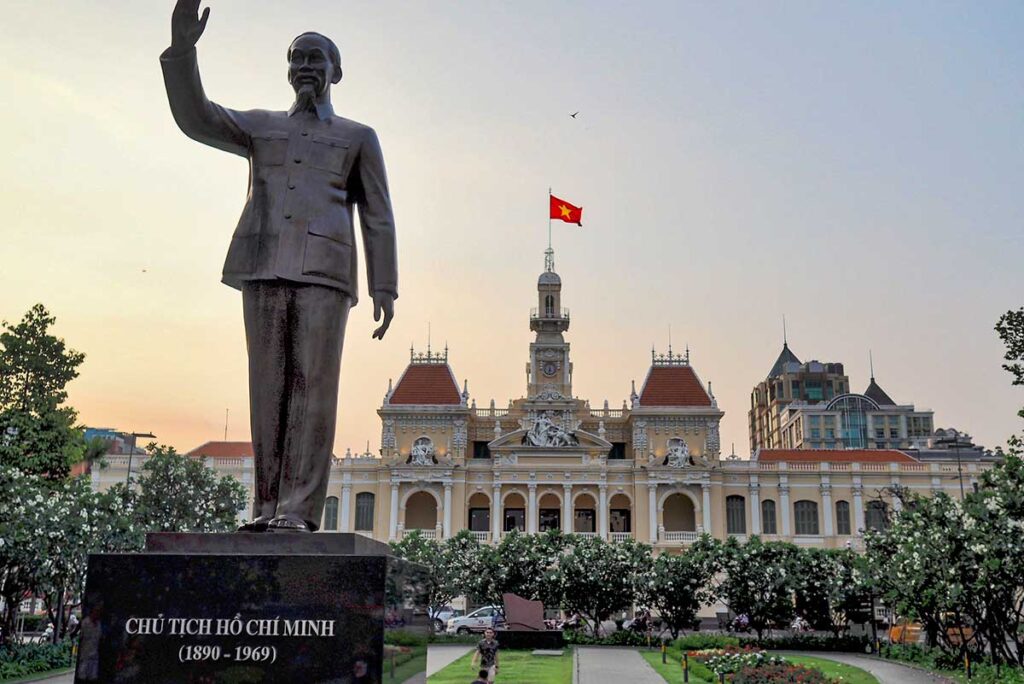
(603, 665)
(886, 671)
(443, 655)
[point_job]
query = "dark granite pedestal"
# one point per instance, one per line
(239, 608)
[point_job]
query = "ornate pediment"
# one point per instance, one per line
(515, 441)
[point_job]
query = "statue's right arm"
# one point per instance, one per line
(200, 119)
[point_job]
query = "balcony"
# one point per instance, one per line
(427, 534)
(620, 536)
(549, 314)
(482, 537)
(678, 537)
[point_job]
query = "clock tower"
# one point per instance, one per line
(549, 373)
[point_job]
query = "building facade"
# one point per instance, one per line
(651, 470)
(790, 381)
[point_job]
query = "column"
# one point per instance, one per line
(787, 528)
(826, 504)
(447, 531)
(755, 508)
(346, 505)
(393, 523)
(897, 505)
(858, 507)
(567, 518)
(531, 509)
(602, 513)
(706, 506)
(496, 513)
(652, 510)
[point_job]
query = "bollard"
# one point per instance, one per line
(392, 665)
(967, 665)
(664, 653)
(686, 668)
(721, 678)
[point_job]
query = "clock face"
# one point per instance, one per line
(550, 368)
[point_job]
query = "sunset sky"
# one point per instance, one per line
(856, 167)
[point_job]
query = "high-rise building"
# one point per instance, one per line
(790, 381)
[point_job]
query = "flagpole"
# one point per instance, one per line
(549, 218)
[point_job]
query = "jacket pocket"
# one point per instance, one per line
(270, 149)
(327, 258)
(328, 154)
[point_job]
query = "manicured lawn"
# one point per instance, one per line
(699, 674)
(404, 670)
(516, 666)
(849, 673)
(673, 671)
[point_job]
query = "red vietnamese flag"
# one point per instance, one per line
(563, 211)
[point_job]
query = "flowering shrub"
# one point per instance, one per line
(779, 673)
(733, 659)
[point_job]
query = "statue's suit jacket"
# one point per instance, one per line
(305, 174)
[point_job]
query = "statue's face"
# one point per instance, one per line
(310, 65)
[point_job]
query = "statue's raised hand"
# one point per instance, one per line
(186, 25)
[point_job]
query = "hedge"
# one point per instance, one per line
(21, 660)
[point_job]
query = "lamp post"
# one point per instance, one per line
(131, 453)
(959, 465)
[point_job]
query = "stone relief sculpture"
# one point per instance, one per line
(678, 455)
(545, 432)
(422, 453)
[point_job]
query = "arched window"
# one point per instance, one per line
(735, 515)
(806, 514)
(331, 513)
(877, 516)
(364, 512)
(549, 305)
(842, 517)
(768, 524)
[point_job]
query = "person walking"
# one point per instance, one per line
(487, 655)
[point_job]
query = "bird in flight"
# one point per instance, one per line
(573, 115)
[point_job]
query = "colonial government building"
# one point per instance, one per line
(651, 469)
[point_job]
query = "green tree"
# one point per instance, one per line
(37, 433)
(454, 566)
(176, 493)
(830, 588)
(599, 578)
(678, 585)
(525, 565)
(47, 530)
(756, 580)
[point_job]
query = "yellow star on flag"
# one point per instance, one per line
(566, 211)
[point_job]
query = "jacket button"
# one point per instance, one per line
(305, 134)
(291, 186)
(298, 161)
(287, 216)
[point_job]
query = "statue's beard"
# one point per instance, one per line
(305, 98)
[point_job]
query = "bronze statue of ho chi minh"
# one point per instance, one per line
(293, 257)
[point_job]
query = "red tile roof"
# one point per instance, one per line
(835, 456)
(673, 386)
(223, 450)
(430, 383)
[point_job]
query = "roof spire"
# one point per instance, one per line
(785, 338)
(871, 362)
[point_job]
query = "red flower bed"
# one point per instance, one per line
(779, 674)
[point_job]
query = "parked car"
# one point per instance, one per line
(440, 615)
(477, 621)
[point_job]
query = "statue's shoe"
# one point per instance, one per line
(287, 523)
(260, 524)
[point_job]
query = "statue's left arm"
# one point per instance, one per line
(377, 221)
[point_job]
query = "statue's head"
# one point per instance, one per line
(314, 63)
